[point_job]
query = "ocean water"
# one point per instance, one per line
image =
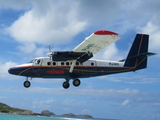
(23, 117)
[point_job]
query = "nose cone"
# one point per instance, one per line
(14, 70)
(11, 71)
(21, 70)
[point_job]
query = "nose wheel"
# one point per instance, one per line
(27, 84)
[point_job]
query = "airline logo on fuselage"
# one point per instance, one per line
(55, 72)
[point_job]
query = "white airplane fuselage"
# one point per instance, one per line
(44, 67)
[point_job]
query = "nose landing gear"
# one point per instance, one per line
(27, 84)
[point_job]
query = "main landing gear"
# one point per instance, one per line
(76, 83)
(66, 85)
(27, 84)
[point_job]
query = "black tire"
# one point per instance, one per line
(65, 85)
(76, 82)
(27, 84)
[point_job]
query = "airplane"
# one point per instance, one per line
(75, 64)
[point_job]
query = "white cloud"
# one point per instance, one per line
(4, 73)
(49, 26)
(27, 48)
(153, 30)
(133, 78)
(43, 104)
(126, 103)
(109, 53)
(33, 50)
(86, 111)
(84, 92)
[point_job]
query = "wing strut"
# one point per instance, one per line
(72, 66)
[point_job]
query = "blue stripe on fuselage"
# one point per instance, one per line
(63, 71)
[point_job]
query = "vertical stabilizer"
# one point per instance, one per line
(137, 56)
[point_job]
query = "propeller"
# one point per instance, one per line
(50, 54)
(49, 48)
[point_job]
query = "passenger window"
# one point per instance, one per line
(92, 64)
(77, 63)
(54, 63)
(67, 63)
(62, 63)
(48, 63)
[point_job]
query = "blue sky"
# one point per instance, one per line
(27, 28)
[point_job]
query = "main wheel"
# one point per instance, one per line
(27, 84)
(76, 82)
(65, 85)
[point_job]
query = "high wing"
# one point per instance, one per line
(97, 41)
(84, 51)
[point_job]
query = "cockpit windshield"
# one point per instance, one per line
(33, 61)
(36, 61)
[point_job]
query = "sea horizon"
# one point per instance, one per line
(4, 116)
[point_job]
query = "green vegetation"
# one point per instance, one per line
(7, 109)
(10, 110)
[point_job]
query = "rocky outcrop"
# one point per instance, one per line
(68, 115)
(84, 116)
(47, 113)
(73, 115)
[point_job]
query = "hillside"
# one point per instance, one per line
(10, 110)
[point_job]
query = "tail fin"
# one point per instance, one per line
(137, 56)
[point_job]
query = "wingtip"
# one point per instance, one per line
(104, 32)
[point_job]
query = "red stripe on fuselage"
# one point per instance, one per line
(22, 67)
(69, 67)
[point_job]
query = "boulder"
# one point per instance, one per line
(47, 113)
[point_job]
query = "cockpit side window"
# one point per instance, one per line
(38, 61)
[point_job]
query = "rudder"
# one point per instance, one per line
(137, 56)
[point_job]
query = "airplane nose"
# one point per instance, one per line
(10, 70)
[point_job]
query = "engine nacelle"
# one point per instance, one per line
(70, 55)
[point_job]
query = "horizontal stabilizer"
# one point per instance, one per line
(142, 55)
